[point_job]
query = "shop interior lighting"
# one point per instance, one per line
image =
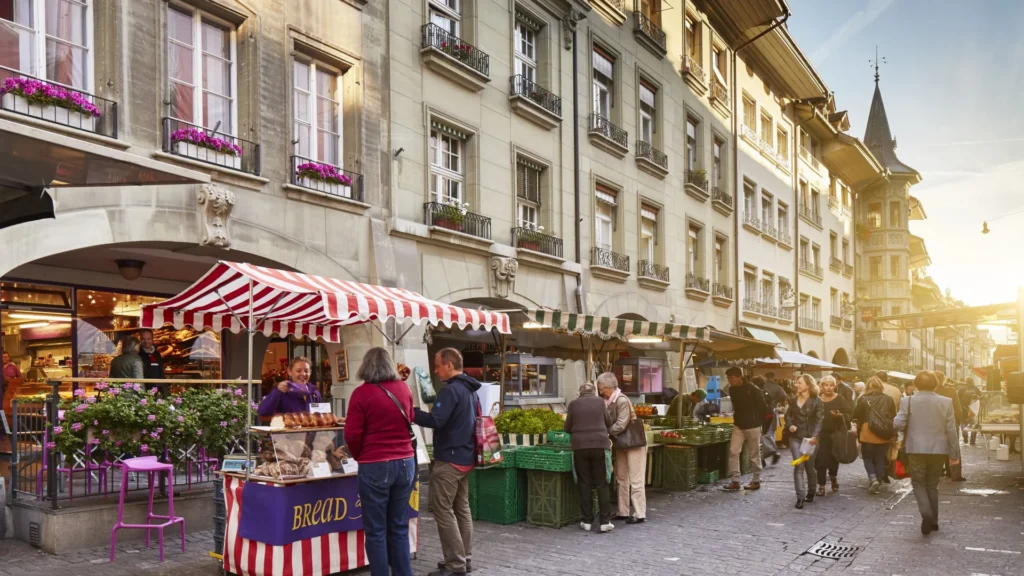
(644, 340)
(33, 325)
(37, 316)
(531, 325)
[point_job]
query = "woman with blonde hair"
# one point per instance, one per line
(874, 443)
(803, 419)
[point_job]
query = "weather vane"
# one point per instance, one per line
(876, 62)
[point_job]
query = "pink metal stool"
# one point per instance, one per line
(150, 466)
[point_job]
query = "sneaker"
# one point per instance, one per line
(607, 527)
(875, 486)
(585, 526)
(733, 486)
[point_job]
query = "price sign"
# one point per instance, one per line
(321, 470)
(320, 408)
(349, 466)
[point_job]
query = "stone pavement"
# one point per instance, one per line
(700, 532)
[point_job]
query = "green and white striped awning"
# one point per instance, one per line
(607, 328)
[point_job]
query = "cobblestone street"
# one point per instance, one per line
(700, 532)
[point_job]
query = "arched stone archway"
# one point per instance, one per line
(841, 357)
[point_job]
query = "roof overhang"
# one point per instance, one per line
(741, 20)
(851, 160)
(33, 160)
(971, 316)
(916, 210)
(919, 257)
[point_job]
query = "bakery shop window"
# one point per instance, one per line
(525, 375)
(35, 322)
(107, 319)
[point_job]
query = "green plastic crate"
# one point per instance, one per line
(559, 438)
(551, 459)
(501, 495)
(473, 492)
(707, 476)
(680, 468)
(553, 499)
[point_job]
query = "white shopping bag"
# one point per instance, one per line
(806, 448)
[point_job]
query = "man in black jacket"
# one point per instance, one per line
(749, 411)
(842, 388)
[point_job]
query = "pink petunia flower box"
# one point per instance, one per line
(57, 114)
(202, 153)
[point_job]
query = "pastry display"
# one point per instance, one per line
(291, 420)
(290, 456)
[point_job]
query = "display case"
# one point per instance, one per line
(640, 375)
(301, 454)
(525, 375)
(997, 414)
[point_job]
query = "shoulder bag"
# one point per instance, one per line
(634, 436)
(902, 461)
(878, 425)
(408, 424)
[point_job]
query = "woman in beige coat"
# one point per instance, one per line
(631, 463)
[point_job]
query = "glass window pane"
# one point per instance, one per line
(217, 109)
(17, 11)
(65, 19)
(183, 102)
(302, 132)
(216, 75)
(65, 64)
(300, 70)
(326, 114)
(179, 27)
(326, 84)
(216, 40)
(327, 147)
(179, 63)
(17, 49)
(302, 106)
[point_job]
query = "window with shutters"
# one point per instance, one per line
(717, 148)
(694, 247)
(604, 78)
(749, 113)
(648, 232)
(750, 284)
(447, 170)
(692, 132)
(721, 270)
(782, 143)
(749, 192)
(767, 130)
(528, 196)
(783, 221)
(692, 37)
(446, 14)
(767, 289)
(606, 201)
(766, 209)
(648, 114)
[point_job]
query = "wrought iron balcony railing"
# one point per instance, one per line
(811, 214)
(835, 264)
(604, 127)
(649, 269)
(848, 269)
(811, 268)
(751, 135)
(64, 106)
(694, 282)
(721, 291)
(650, 153)
(721, 196)
(326, 178)
(693, 68)
(811, 324)
(768, 309)
(608, 259)
(750, 220)
(751, 305)
(698, 178)
(784, 314)
(198, 143)
(644, 25)
(443, 41)
(833, 203)
(452, 218)
(719, 92)
(529, 239)
(769, 230)
(523, 86)
(835, 321)
(847, 324)
(784, 237)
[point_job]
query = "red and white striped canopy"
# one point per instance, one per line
(302, 305)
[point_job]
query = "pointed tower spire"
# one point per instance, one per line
(877, 135)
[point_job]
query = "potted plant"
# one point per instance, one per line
(531, 237)
(324, 178)
(526, 427)
(42, 100)
(196, 143)
(450, 214)
(699, 177)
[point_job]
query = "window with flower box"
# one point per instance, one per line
(201, 57)
(447, 170)
(525, 48)
(317, 110)
(528, 194)
(48, 39)
(447, 14)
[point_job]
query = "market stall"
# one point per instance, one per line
(295, 508)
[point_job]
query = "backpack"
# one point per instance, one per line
(878, 424)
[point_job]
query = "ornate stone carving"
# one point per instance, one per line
(215, 204)
(503, 275)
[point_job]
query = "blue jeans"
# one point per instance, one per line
(874, 459)
(384, 490)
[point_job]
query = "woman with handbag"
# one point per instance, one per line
(377, 433)
(874, 414)
(630, 444)
(838, 411)
(803, 420)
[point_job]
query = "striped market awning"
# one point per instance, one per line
(607, 328)
(293, 304)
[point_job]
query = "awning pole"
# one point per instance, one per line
(590, 357)
(501, 381)
(248, 385)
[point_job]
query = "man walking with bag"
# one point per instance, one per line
(453, 419)
(749, 413)
(630, 443)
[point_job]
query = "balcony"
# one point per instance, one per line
(752, 222)
(534, 103)
(326, 179)
(697, 184)
(697, 288)
(607, 264)
(651, 160)
(875, 342)
(835, 264)
(721, 200)
(649, 34)
(811, 215)
(750, 135)
(210, 147)
(63, 106)
(785, 315)
(751, 306)
(614, 10)
(835, 321)
(652, 275)
(811, 324)
(528, 238)
(694, 75)
(450, 218)
(721, 294)
(811, 268)
(608, 136)
(784, 238)
(810, 159)
(454, 59)
(847, 324)
(848, 270)
(720, 97)
(769, 231)
(833, 204)
(767, 309)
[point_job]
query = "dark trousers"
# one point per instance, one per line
(925, 471)
(592, 473)
(824, 462)
(874, 459)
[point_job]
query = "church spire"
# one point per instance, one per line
(877, 136)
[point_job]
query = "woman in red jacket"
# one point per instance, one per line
(377, 434)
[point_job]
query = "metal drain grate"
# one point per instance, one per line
(34, 536)
(833, 551)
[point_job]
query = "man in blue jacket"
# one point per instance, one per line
(453, 420)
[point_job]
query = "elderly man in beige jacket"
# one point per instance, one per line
(631, 463)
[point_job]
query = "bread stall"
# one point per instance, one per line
(292, 503)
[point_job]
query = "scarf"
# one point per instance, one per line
(615, 396)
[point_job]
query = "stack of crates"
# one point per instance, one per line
(553, 499)
(498, 495)
(680, 468)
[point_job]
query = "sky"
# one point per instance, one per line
(952, 86)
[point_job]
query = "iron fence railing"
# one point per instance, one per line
(768, 309)
(833, 203)
(769, 230)
(694, 282)
(811, 214)
(644, 25)
(811, 324)
(811, 268)
(719, 92)
(529, 239)
(191, 141)
(784, 237)
(648, 152)
(698, 178)
(751, 305)
(721, 196)
(721, 291)
(835, 264)
(835, 321)
(749, 219)
(607, 259)
(523, 86)
(604, 127)
(848, 269)
(437, 38)
(452, 218)
(24, 95)
(847, 324)
(693, 68)
(649, 269)
(786, 315)
(327, 178)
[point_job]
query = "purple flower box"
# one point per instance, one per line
(196, 143)
(48, 102)
(324, 178)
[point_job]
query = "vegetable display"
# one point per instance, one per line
(518, 421)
